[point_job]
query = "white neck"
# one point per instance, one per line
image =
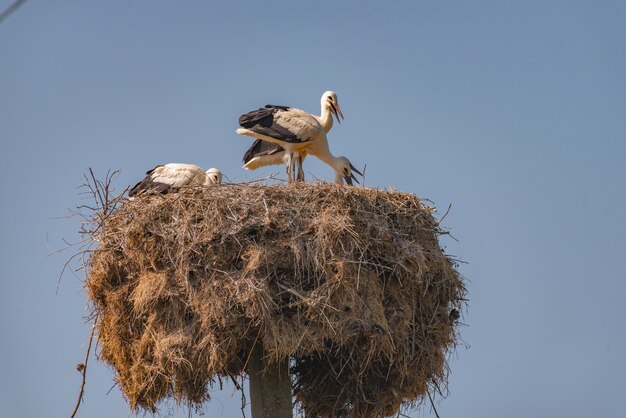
(326, 117)
(336, 163)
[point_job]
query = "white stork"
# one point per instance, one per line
(263, 153)
(288, 135)
(163, 178)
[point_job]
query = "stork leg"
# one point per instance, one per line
(288, 160)
(292, 167)
(300, 176)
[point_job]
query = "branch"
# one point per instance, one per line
(82, 368)
(432, 404)
(92, 216)
(446, 214)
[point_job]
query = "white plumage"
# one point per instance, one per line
(263, 153)
(288, 135)
(163, 178)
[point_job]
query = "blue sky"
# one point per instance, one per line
(514, 112)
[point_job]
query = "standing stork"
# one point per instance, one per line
(163, 178)
(263, 153)
(288, 135)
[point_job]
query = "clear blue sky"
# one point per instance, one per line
(513, 111)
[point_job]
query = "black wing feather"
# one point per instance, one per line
(152, 171)
(148, 184)
(278, 107)
(261, 121)
(263, 117)
(260, 147)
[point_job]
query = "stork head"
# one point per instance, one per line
(215, 176)
(330, 101)
(344, 171)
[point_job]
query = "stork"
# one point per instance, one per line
(163, 178)
(288, 135)
(263, 153)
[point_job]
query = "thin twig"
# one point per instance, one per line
(432, 404)
(111, 388)
(235, 382)
(65, 266)
(243, 399)
(363, 175)
(290, 290)
(448, 234)
(446, 214)
(93, 217)
(270, 177)
(83, 369)
(98, 192)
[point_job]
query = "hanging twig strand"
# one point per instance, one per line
(82, 368)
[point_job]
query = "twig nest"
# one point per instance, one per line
(350, 283)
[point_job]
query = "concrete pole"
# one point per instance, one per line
(270, 388)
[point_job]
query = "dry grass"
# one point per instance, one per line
(350, 283)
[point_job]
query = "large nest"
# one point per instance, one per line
(349, 283)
